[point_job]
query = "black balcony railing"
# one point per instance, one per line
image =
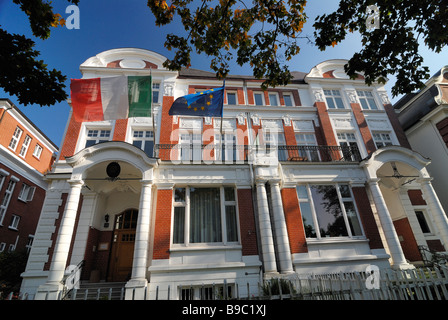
(215, 153)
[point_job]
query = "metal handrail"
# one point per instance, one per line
(66, 292)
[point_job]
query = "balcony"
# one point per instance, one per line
(241, 154)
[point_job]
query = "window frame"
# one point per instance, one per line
(363, 97)
(232, 92)
(37, 151)
(311, 155)
(26, 193)
(15, 220)
(277, 98)
(25, 145)
(98, 136)
(144, 138)
(263, 102)
(329, 94)
(291, 97)
(381, 140)
(223, 216)
(158, 84)
(14, 142)
(341, 199)
(426, 218)
(4, 203)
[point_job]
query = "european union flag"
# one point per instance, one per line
(208, 103)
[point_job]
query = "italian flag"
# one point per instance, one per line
(111, 98)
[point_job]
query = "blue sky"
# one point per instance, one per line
(109, 24)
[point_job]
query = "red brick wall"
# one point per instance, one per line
(29, 212)
(401, 136)
(363, 128)
(367, 218)
(294, 223)
(71, 138)
(325, 124)
(163, 224)
(408, 244)
(120, 130)
(416, 197)
(247, 222)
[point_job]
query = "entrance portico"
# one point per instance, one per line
(389, 171)
(104, 195)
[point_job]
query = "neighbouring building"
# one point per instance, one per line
(424, 118)
(316, 176)
(26, 155)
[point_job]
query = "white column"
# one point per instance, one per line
(135, 288)
(62, 245)
(436, 209)
(267, 241)
(396, 252)
(281, 232)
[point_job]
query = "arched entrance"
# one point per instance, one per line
(123, 240)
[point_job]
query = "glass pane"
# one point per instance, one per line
(90, 143)
(364, 104)
(258, 99)
(179, 195)
(178, 225)
(229, 194)
(345, 191)
(137, 143)
(273, 99)
(328, 211)
(231, 98)
(330, 103)
(288, 100)
(205, 215)
(339, 103)
(232, 233)
(149, 146)
(307, 218)
(422, 221)
(355, 226)
(301, 192)
(155, 96)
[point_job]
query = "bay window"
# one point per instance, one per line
(204, 215)
(328, 211)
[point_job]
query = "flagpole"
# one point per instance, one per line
(222, 115)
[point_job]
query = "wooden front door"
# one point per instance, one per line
(123, 246)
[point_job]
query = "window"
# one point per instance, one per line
(29, 243)
(15, 138)
(259, 99)
(273, 99)
(144, 139)
(231, 98)
(276, 141)
(6, 198)
(367, 100)
(2, 177)
(204, 215)
(308, 141)
(25, 145)
(382, 139)
(334, 99)
(228, 147)
(26, 193)
(422, 221)
(14, 222)
(190, 146)
(2, 246)
(155, 92)
(206, 292)
(97, 136)
(349, 146)
(328, 211)
(287, 98)
(37, 151)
